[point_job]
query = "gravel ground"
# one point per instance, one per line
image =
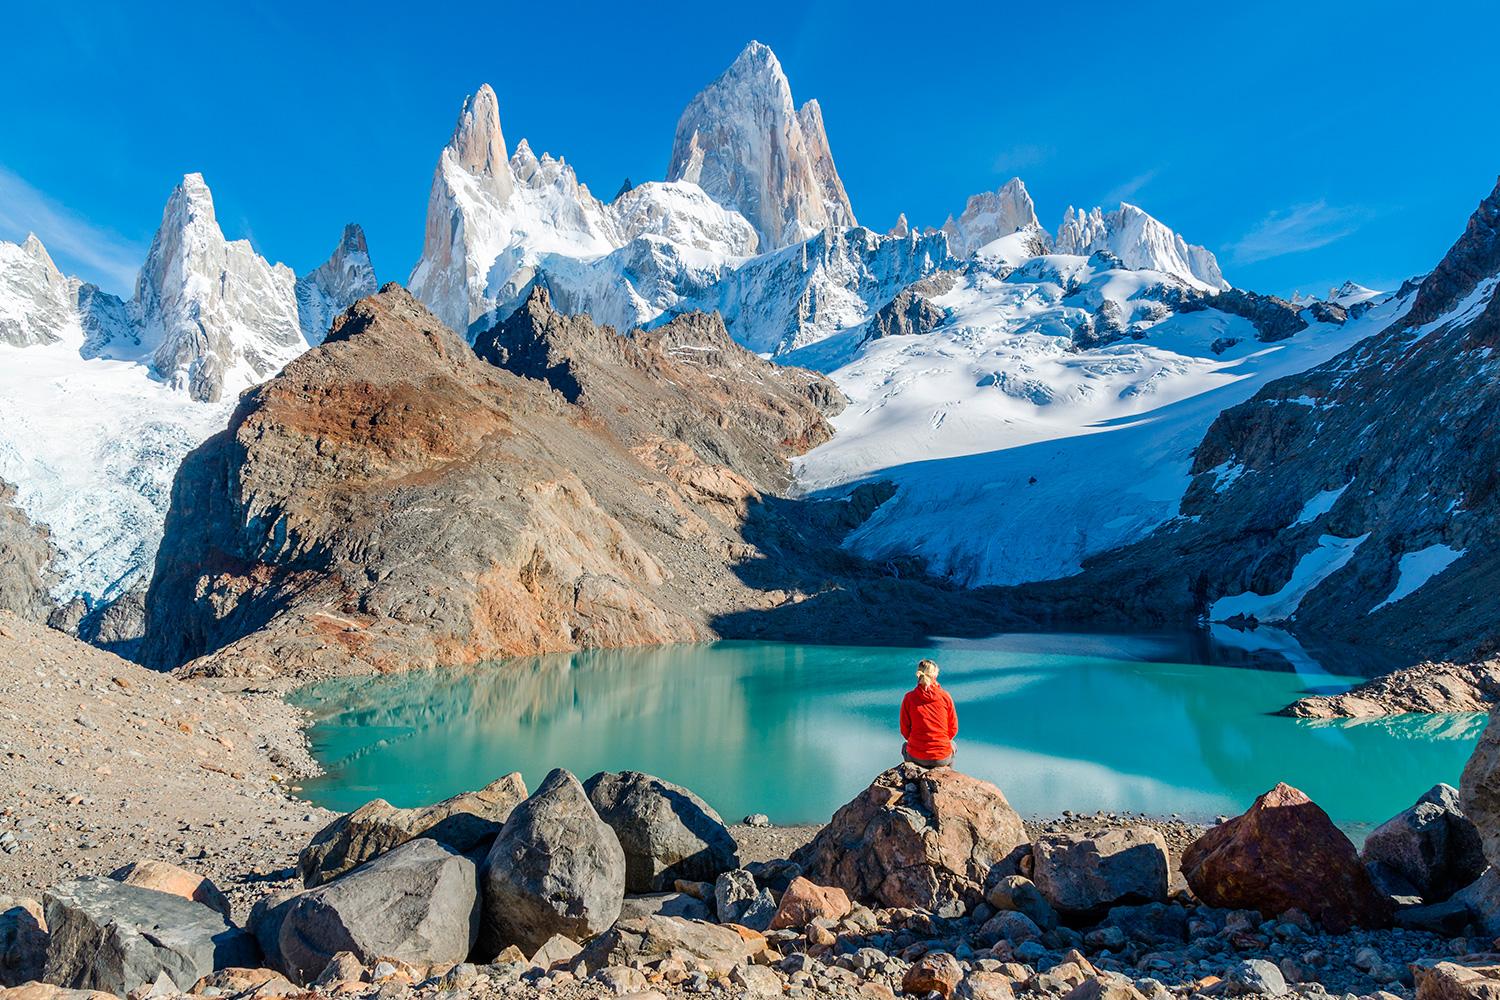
(103, 762)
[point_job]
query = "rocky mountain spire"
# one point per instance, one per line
(744, 142)
(478, 145)
(214, 315)
(1140, 241)
(343, 279)
(35, 300)
(990, 215)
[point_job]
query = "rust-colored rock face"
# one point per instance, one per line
(1284, 853)
(804, 901)
(393, 500)
(916, 838)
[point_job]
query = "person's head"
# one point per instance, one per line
(927, 673)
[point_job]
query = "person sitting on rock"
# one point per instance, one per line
(928, 721)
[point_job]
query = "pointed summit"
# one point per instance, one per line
(343, 279)
(215, 315)
(478, 144)
(902, 228)
(744, 142)
(992, 215)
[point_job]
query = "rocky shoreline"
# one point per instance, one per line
(1427, 688)
(176, 858)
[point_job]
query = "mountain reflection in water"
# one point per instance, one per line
(795, 730)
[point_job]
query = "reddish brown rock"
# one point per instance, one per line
(164, 877)
(916, 838)
(1285, 853)
(1452, 981)
(803, 902)
(935, 972)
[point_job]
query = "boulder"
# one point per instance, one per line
(916, 838)
(1254, 977)
(1156, 924)
(23, 941)
(1010, 926)
(463, 822)
(164, 877)
(1104, 988)
(1481, 899)
(734, 892)
(666, 904)
(935, 972)
(1284, 853)
(113, 937)
(1431, 844)
(1455, 981)
(557, 950)
(980, 985)
(46, 991)
(1479, 788)
(246, 982)
(417, 903)
(712, 947)
(266, 918)
(1084, 874)
(1018, 893)
(555, 868)
(803, 902)
(666, 831)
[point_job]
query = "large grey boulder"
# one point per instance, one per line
(1084, 874)
(418, 903)
(113, 937)
(666, 831)
(1431, 844)
(23, 941)
(555, 868)
(665, 904)
(712, 948)
(463, 822)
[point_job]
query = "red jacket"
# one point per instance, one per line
(928, 722)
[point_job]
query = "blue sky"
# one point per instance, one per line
(1302, 142)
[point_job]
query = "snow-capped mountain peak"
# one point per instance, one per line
(1140, 241)
(743, 141)
(215, 315)
(478, 144)
(344, 278)
(36, 301)
(991, 215)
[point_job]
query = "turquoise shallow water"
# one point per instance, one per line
(794, 731)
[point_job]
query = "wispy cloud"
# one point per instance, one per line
(1021, 157)
(1293, 230)
(95, 254)
(1127, 190)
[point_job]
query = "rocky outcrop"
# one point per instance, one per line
(1085, 874)
(462, 822)
(556, 868)
(1284, 853)
(1431, 845)
(334, 285)
(1426, 687)
(544, 524)
(113, 937)
(917, 838)
(417, 903)
(744, 142)
(804, 902)
(666, 831)
(909, 314)
(26, 553)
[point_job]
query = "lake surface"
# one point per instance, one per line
(794, 731)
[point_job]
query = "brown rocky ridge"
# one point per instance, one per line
(392, 500)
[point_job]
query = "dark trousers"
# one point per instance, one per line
(929, 764)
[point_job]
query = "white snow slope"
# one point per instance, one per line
(1016, 454)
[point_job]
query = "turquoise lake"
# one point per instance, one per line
(794, 731)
